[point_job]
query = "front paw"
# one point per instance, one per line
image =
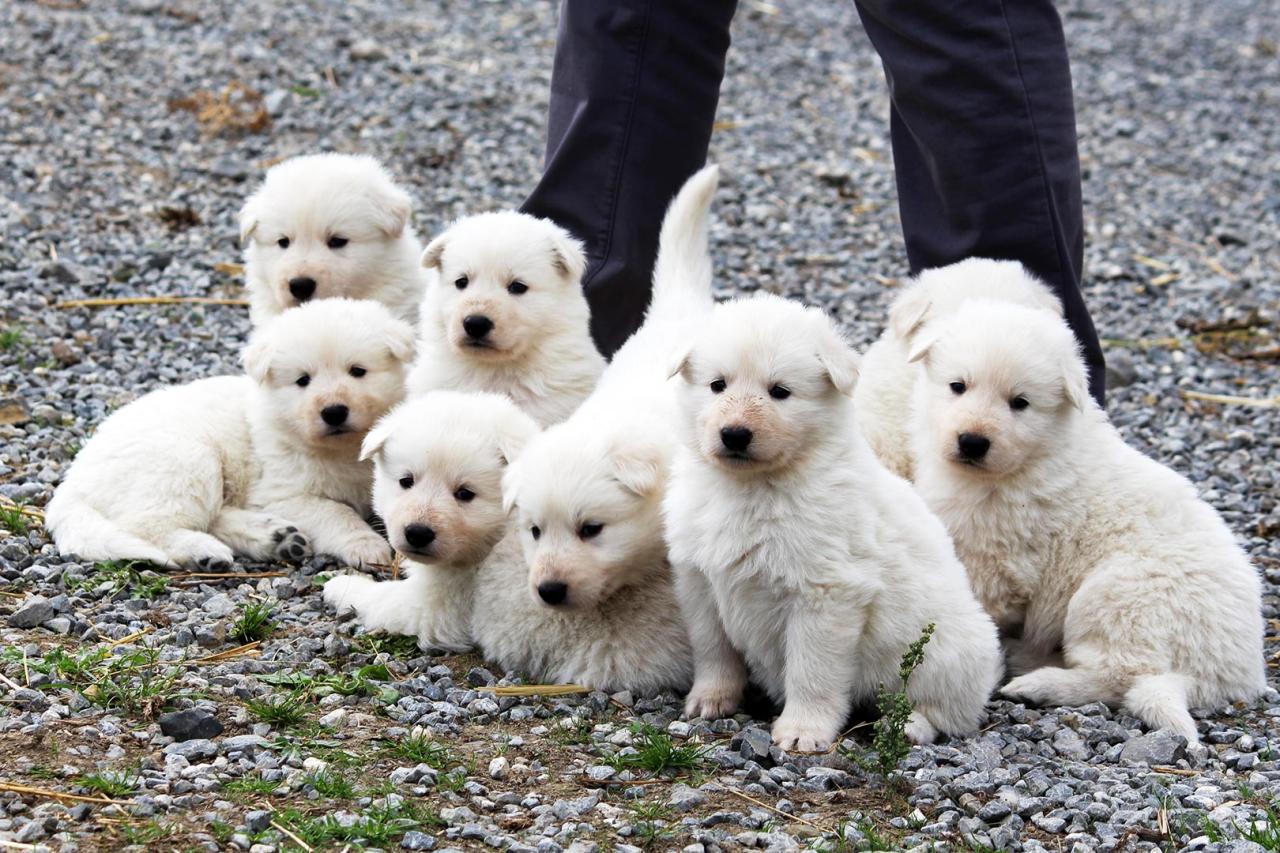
(797, 734)
(919, 730)
(345, 592)
(712, 700)
(371, 550)
(290, 545)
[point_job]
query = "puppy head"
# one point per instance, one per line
(940, 292)
(329, 369)
(762, 383)
(438, 466)
(588, 509)
(1000, 386)
(507, 281)
(323, 226)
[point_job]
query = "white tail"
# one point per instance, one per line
(1160, 701)
(682, 272)
(77, 528)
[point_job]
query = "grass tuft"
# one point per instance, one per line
(657, 753)
(419, 748)
(280, 711)
(330, 783)
(10, 338)
(136, 576)
(253, 624)
(116, 785)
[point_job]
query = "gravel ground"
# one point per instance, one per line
(110, 188)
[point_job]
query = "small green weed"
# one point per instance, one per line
(249, 787)
(656, 753)
(137, 576)
(288, 710)
(330, 783)
(418, 748)
(378, 826)
(13, 520)
(116, 785)
(147, 832)
(253, 624)
(890, 742)
(1265, 832)
(10, 338)
(396, 645)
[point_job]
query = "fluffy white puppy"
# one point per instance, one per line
(883, 396)
(505, 313)
(1073, 538)
(262, 466)
(439, 461)
(800, 555)
(327, 225)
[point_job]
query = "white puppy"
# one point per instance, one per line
(440, 459)
(505, 313)
(883, 396)
(1074, 538)
(262, 466)
(328, 225)
(798, 552)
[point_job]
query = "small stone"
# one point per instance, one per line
(1121, 371)
(257, 821)
(367, 50)
(190, 724)
(683, 798)
(754, 744)
(33, 611)
(415, 840)
(219, 605)
(334, 719)
(1158, 747)
(64, 353)
(498, 767)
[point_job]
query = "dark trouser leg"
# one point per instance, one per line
(984, 140)
(633, 97)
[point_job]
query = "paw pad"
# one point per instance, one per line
(291, 545)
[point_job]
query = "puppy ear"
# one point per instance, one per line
(399, 337)
(249, 218)
(920, 348)
(515, 431)
(907, 313)
(639, 466)
(679, 365)
(510, 485)
(1075, 381)
(375, 438)
(434, 253)
(837, 357)
(391, 208)
(256, 358)
(567, 256)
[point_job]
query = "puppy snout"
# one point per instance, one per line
(477, 326)
(973, 446)
(419, 535)
(334, 415)
(735, 438)
(553, 592)
(302, 288)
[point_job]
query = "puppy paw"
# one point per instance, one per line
(712, 701)
(215, 562)
(290, 545)
(799, 735)
(369, 550)
(344, 592)
(1034, 688)
(919, 730)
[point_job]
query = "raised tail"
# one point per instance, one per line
(78, 528)
(682, 272)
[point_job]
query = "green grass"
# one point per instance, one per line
(396, 645)
(364, 681)
(649, 825)
(136, 576)
(249, 787)
(418, 748)
(380, 825)
(253, 624)
(305, 92)
(281, 711)
(10, 338)
(330, 783)
(13, 520)
(453, 781)
(1265, 832)
(147, 832)
(116, 785)
(657, 753)
(136, 681)
(577, 733)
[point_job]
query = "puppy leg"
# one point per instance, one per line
(196, 548)
(260, 535)
(719, 674)
(1055, 685)
(406, 607)
(820, 672)
(335, 528)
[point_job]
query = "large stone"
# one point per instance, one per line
(1159, 747)
(33, 611)
(683, 798)
(190, 724)
(753, 744)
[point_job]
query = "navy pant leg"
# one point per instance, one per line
(984, 140)
(633, 99)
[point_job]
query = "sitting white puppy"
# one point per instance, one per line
(262, 466)
(1074, 538)
(506, 313)
(329, 225)
(882, 398)
(799, 552)
(439, 461)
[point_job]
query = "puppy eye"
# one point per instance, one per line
(406, 482)
(337, 242)
(1019, 403)
(303, 381)
(535, 532)
(590, 530)
(283, 242)
(958, 387)
(461, 282)
(516, 288)
(357, 371)
(779, 392)
(464, 495)
(718, 385)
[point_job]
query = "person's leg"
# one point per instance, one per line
(984, 140)
(633, 97)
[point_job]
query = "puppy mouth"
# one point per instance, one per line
(964, 461)
(330, 432)
(424, 555)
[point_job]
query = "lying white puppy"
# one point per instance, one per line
(1071, 536)
(798, 552)
(506, 313)
(439, 462)
(328, 225)
(262, 466)
(882, 398)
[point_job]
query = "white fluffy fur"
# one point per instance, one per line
(883, 395)
(309, 200)
(802, 557)
(539, 352)
(1074, 538)
(195, 474)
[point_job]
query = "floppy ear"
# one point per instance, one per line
(679, 364)
(510, 485)
(908, 312)
(256, 358)
(920, 348)
(837, 357)
(434, 253)
(391, 208)
(399, 337)
(515, 431)
(249, 218)
(1075, 381)
(639, 466)
(375, 438)
(567, 256)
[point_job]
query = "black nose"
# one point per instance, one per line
(477, 326)
(302, 288)
(334, 415)
(419, 535)
(735, 438)
(553, 592)
(973, 446)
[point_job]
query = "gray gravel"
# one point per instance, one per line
(105, 191)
